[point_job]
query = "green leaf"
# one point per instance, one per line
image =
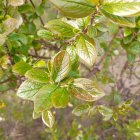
(48, 118)
(43, 98)
(61, 66)
(26, 8)
(15, 2)
(2, 39)
(40, 10)
(134, 48)
(45, 34)
(74, 9)
(28, 89)
(86, 50)
(123, 21)
(60, 98)
(122, 7)
(10, 25)
(87, 90)
(40, 64)
(106, 112)
(73, 55)
(81, 109)
(21, 67)
(61, 28)
(37, 75)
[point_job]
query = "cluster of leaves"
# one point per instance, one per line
(55, 83)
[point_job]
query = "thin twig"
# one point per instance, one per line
(40, 57)
(9, 54)
(41, 20)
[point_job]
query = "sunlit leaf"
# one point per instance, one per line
(87, 90)
(60, 98)
(122, 7)
(81, 109)
(2, 39)
(37, 75)
(61, 28)
(43, 98)
(48, 118)
(40, 64)
(45, 34)
(75, 9)
(61, 66)
(106, 112)
(15, 2)
(10, 25)
(21, 67)
(86, 50)
(123, 21)
(73, 55)
(28, 89)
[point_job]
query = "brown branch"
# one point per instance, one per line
(91, 22)
(5, 81)
(6, 8)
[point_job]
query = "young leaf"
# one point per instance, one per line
(43, 98)
(106, 112)
(123, 21)
(37, 75)
(48, 118)
(45, 34)
(60, 98)
(122, 7)
(10, 25)
(40, 64)
(61, 66)
(28, 89)
(87, 90)
(61, 28)
(73, 55)
(86, 50)
(75, 9)
(2, 39)
(81, 109)
(134, 48)
(21, 68)
(15, 2)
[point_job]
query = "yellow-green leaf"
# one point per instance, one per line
(43, 98)
(48, 118)
(28, 89)
(75, 9)
(37, 75)
(21, 68)
(87, 90)
(15, 2)
(61, 66)
(125, 8)
(10, 25)
(81, 109)
(2, 39)
(61, 28)
(45, 34)
(123, 21)
(60, 98)
(86, 50)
